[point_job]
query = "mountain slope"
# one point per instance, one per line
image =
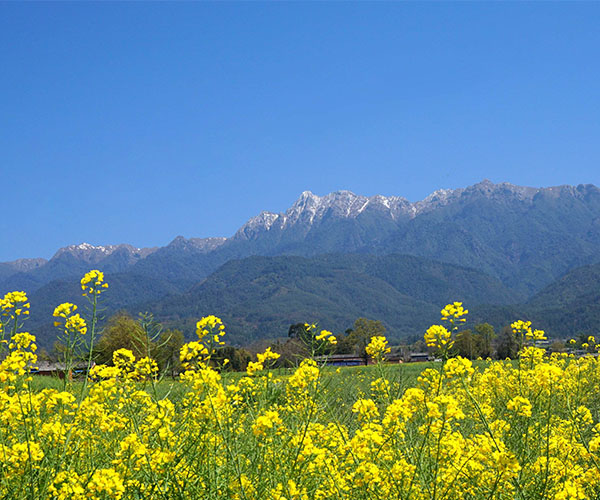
(125, 290)
(571, 304)
(8, 269)
(259, 297)
(526, 237)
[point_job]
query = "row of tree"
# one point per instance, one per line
(144, 337)
(479, 342)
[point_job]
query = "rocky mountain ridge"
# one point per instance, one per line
(526, 237)
(309, 207)
(96, 253)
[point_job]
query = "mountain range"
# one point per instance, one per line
(503, 249)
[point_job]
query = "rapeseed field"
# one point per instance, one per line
(522, 429)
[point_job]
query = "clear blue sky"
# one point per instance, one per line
(139, 122)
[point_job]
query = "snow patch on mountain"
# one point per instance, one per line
(95, 253)
(309, 207)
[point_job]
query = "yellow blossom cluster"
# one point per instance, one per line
(14, 304)
(263, 360)
(520, 405)
(93, 283)
(458, 367)
(211, 326)
(523, 329)
(589, 344)
(18, 363)
(265, 422)
(125, 366)
(326, 336)
(438, 337)
(210, 331)
(378, 348)
(73, 321)
(454, 312)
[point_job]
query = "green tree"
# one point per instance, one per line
(306, 335)
(238, 358)
(508, 347)
(44, 355)
(291, 352)
(121, 332)
(167, 351)
(360, 336)
(466, 345)
(558, 346)
(300, 332)
(486, 334)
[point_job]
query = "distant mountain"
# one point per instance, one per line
(567, 307)
(8, 269)
(525, 238)
(94, 254)
(259, 297)
(125, 290)
(183, 262)
(73, 261)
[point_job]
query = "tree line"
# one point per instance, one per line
(144, 337)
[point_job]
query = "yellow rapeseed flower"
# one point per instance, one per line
(14, 304)
(520, 405)
(92, 283)
(454, 312)
(438, 337)
(378, 348)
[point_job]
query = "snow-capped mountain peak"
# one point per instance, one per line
(310, 208)
(83, 249)
(95, 253)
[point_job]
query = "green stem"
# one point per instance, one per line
(92, 338)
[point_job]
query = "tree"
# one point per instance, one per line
(291, 352)
(360, 336)
(300, 332)
(508, 346)
(466, 345)
(558, 346)
(167, 351)
(238, 358)
(309, 337)
(475, 344)
(122, 332)
(44, 355)
(486, 333)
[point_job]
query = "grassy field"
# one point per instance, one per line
(341, 384)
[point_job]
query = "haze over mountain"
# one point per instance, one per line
(522, 238)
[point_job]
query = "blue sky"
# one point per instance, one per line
(138, 122)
